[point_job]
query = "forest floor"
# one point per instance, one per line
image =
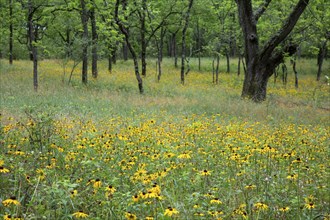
(198, 151)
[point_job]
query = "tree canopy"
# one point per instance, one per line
(80, 30)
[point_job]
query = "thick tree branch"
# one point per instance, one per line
(285, 30)
(261, 10)
(278, 57)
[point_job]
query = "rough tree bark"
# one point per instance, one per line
(261, 63)
(94, 41)
(84, 20)
(125, 32)
(183, 47)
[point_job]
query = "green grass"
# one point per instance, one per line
(107, 151)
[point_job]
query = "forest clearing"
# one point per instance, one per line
(198, 151)
(164, 109)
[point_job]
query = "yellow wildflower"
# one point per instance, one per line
(171, 211)
(80, 214)
(4, 170)
(10, 201)
(261, 206)
(130, 216)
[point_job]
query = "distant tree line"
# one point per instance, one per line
(261, 33)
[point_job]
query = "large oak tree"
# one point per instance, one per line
(262, 61)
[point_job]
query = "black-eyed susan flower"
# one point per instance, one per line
(130, 216)
(155, 188)
(41, 173)
(97, 183)
(251, 186)
(80, 214)
(199, 214)
(73, 193)
(205, 173)
(292, 177)
(10, 217)
(260, 206)
(184, 156)
(310, 205)
(212, 213)
(297, 160)
(196, 206)
(110, 189)
(215, 201)
(135, 198)
(171, 211)
(4, 170)
(285, 209)
(11, 201)
(149, 218)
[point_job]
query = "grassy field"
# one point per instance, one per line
(198, 151)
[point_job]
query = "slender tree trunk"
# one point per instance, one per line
(183, 48)
(244, 65)
(228, 61)
(199, 47)
(239, 66)
(284, 74)
(84, 20)
(161, 43)
(109, 62)
(114, 56)
(143, 38)
(125, 31)
(320, 58)
(174, 49)
(295, 73)
(160, 46)
(125, 51)
(213, 71)
(32, 39)
(159, 63)
(217, 69)
(94, 42)
(10, 31)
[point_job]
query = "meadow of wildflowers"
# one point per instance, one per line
(158, 164)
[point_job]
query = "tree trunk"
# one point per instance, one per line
(261, 63)
(255, 87)
(125, 51)
(125, 31)
(174, 49)
(143, 38)
(320, 58)
(183, 48)
(32, 40)
(295, 73)
(109, 63)
(217, 69)
(84, 20)
(213, 71)
(199, 47)
(160, 46)
(228, 61)
(94, 41)
(239, 66)
(284, 74)
(10, 31)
